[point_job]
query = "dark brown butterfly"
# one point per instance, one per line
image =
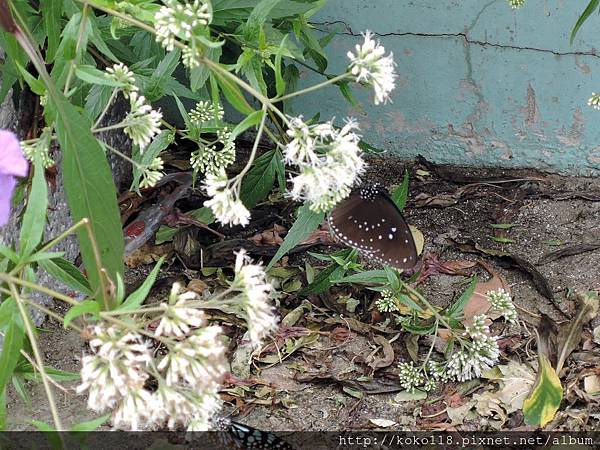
(370, 221)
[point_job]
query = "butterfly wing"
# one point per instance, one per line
(248, 438)
(370, 222)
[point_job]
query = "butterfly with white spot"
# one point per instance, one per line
(370, 221)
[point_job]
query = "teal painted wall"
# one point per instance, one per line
(479, 83)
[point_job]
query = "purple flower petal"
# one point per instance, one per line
(12, 161)
(7, 186)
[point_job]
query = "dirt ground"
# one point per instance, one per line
(319, 386)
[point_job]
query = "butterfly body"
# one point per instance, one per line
(370, 221)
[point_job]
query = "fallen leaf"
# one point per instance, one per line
(383, 423)
(569, 335)
(489, 405)
(591, 384)
(270, 236)
(386, 360)
(543, 403)
(406, 396)
(479, 303)
(197, 286)
(418, 238)
(458, 414)
(517, 381)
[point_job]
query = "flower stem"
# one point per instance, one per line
(313, 88)
(38, 357)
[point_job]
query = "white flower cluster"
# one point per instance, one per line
(329, 159)
(178, 317)
(204, 112)
(224, 202)
(151, 174)
(121, 74)
(476, 355)
(142, 123)
(594, 101)
(176, 20)
(515, 4)
(41, 147)
(370, 67)
(387, 302)
(254, 297)
(186, 22)
(208, 159)
(410, 377)
(502, 303)
(116, 374)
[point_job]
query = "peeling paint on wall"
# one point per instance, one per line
(480, 83)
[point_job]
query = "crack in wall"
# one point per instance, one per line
(463, 36)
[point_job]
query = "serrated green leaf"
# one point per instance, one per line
(305, 224)
(260, 179)
(34, 219)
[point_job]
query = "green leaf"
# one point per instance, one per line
(90, 192)
(91, 75)
(90, 425)
(400, 194)
(326, 277)
(66, 272)
(84, 307)
(368, 276)
(160, 142)
(34, 218)
(502, 226)
(587, 12)
(457, 308)
(502, 240)
(279, 81)
(260, 179)
(249, 121)
(233, 94)
(3, 410)
(203, 215)
(157, 86)
(11, 348)
(137, 298)
(9, 254)
(409, 302)
(346, 91)
(51, 12)
(305, 224)
(36, 86)
(257, 19)
(200, 74)
(543, 402)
